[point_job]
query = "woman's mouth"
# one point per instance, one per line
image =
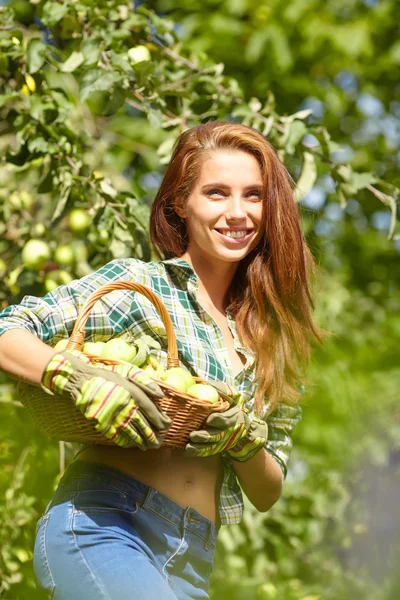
(234, 236)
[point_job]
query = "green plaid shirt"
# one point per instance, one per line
(201, 346)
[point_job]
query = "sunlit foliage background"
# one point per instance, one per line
(84, 125)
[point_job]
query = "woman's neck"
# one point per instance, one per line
(214, 279)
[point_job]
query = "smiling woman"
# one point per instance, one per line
(139, 519)
(224, 220)
(225, 177)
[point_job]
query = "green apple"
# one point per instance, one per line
(50, 284)
(118, 349)
(23, 11)
(64, 255)
(183, 374)
(157, 366)
(152, 372)
(138, 54)
(35, 254)
(79, 221)
(61, 345)
(176, 380)
(21, 200)
(38, 230)
(63, 277)
(202, 391)
(94, 348)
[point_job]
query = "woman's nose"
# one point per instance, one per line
(236, 209)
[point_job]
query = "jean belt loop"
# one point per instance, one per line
(148, 497)
(184, 521)
(208, 538)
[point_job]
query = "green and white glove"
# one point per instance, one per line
(232, 431)
(117, 398)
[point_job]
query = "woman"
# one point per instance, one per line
(125, 523)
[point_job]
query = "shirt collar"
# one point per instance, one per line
(188, 280)
(184, 272)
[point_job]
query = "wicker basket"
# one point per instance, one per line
(59, 419)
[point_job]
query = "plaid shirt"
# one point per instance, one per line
(201, 346)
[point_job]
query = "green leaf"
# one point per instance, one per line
(63, 199)
(38, 144)
(97, 80)
(36, 55)
(341, 196)
(74, 61)
(4, 98)
(91, 51)
(344, 172)
(155, 118)
(361, 180)
(295, 131)
(255, 45)
(53, 12)
(301, 114)
(108, 189)
(307, 177)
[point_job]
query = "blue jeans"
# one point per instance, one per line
(107, 536)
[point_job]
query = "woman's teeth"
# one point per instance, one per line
(233, 234)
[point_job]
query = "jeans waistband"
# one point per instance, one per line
(146, 496)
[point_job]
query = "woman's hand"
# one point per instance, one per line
(232, 431)
(118, 398)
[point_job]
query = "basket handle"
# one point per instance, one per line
(77, 337)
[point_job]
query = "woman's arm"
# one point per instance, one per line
(261, 479)
(23, 355)
(262, 476)
(27, 329)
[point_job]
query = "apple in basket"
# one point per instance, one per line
(154, 368)
(179, 378)
(94, 348)
(203, 391)
(118, 349)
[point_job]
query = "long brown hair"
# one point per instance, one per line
(269, 296)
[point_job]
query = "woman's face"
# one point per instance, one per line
(223, 212)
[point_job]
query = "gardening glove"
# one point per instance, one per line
(228, 392)
(117, 398)
(232, 431)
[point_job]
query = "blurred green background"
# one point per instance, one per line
(87, 123)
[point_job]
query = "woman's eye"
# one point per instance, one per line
(254, 194)
(215, 193)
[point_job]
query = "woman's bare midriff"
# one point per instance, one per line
(187, 481)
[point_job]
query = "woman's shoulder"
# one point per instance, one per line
(131, 268)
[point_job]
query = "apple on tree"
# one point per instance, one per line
(79, 221)
(64, 255)
(35, 254)
(138, 54)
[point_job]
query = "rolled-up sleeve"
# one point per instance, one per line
(53, 317)
(281, 424)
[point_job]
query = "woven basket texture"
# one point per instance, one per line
(58, 418)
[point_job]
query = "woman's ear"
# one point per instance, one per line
(180, 211)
